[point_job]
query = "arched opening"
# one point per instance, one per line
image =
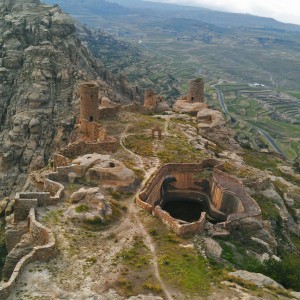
(193, 98)
(91, 119)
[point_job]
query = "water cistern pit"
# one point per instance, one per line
(184, 209)
(184, 205)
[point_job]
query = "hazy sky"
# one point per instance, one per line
(283, 10)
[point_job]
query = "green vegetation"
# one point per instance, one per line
(285, 272)
(177, 149)
(82, 208)
(269, 211)
(140, 144)
(181, 267)
(53, 216)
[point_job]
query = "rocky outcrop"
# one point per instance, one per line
(90, 206)
(42, 61)
(182, 106)
(98, 169)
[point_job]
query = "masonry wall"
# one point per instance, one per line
(180, 229)
(184, 173)
(55, 189)
(109, 112)
(22, 208)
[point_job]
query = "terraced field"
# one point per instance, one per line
(276, 113)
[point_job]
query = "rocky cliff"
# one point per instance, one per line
(42, 61)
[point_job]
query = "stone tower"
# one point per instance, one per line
(89, 102)
(196, 90)
(149, 98)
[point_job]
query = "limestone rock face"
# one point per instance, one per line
(42, 62)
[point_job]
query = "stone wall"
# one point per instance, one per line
(109, 112)
(59, 160)
(181, 229)
(45, 251)
(55, 189)
(82, 147)
(184, 172)
(22, 208)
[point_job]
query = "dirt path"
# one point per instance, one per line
(133, 210)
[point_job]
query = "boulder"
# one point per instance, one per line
(256, 278)
(212, 248)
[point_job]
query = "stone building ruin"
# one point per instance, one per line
(154, 103)
(196, 91)
(184, 196)
(193, 102)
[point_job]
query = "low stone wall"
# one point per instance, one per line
(45, 251)
(22, 208)
(55, 189)
(176, 226)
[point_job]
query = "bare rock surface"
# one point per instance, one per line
(212, 248)
(210, 118)
(91, 207)
(182, 106)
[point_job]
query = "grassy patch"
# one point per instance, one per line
(181, 267)
(140, 144)
(82, 208)
(177, 149)
(53, 216)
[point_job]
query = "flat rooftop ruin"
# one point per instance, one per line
(184, 196)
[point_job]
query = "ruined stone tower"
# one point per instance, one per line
(150, 98)
(89, 102)
(196, 90)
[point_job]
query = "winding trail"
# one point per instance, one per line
(134, 211)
